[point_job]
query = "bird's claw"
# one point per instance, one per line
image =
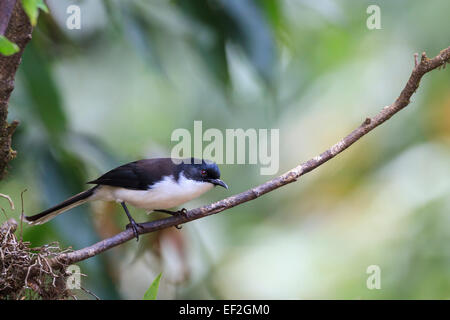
(133, 225)
(180, 212)
(183, 212)
(172, 213)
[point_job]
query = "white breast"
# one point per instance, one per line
(167, 193)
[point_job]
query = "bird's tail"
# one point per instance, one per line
(70, 203)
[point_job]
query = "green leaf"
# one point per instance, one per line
(41, 5)
(31, 8)
(152, 291)
(7, 47)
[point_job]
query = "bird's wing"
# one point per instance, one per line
(137, 175)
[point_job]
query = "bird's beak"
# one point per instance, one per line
(218, 182)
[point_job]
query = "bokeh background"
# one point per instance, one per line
(115, 90)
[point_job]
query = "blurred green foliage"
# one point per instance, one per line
(7, 47)
(114, 91)
(152, 291)
(32, 7)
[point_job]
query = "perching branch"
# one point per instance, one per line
(16, 27)
(425, 65)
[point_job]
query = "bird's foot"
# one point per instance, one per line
(181, 212)
(133, 225)
(174, 213)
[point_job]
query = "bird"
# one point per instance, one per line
(154, 184)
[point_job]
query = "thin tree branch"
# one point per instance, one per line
(15, 25)
(425, 65)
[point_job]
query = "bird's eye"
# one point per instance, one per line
(203, 172)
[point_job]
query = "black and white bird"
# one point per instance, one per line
(151, 184)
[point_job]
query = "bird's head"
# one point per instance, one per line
(202, 170)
